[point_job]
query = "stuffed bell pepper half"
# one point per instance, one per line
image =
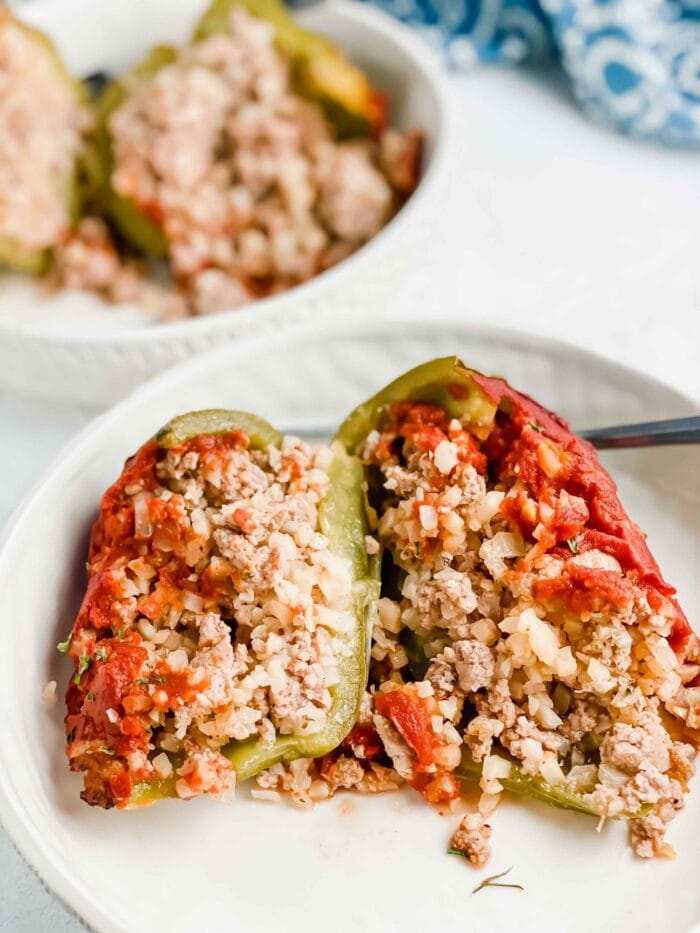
(254, 158)
(226, 621)
(42, 120)
(526, 639)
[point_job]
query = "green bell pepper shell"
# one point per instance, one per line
(522, 784)
(449, 384)
(13, 253)
(445, 382)
(140, 230)
(343, 520)
(320, 71)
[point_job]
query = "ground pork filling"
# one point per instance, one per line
(244, 175)
(215, 612)
(40, 135)
(472, 659)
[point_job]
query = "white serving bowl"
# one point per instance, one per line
(356, 863)
(73, 346)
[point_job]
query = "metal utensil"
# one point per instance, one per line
(647, 434)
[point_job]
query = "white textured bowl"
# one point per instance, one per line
(356, 863)
(73, 346)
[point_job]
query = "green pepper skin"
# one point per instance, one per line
(320, 71)
(134, 224)
(184, 428)
(445, 382)
(522, 784)
(449, 384)
(343, 520)
(518, 782)
(13, 253)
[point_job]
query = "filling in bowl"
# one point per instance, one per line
(246, 162)
(243, 175)
(41, 124)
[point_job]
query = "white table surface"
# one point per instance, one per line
(553, 225)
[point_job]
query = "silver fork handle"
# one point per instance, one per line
(646, 434)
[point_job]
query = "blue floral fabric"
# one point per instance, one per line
(634, 64)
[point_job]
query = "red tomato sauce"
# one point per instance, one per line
(409, 714)
(560, 495)
(112, 691)
(513, 450)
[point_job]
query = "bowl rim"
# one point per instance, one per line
(421, 59)
(13, 814)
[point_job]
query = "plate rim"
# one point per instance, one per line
(56, 878)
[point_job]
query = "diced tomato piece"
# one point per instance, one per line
(97, 610)
(363, 741)
(109, 681)
(164, 596)
(409, 714)
(570, 516)
(121, 786)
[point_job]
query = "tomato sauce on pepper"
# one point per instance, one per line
(112, 692)
(571, 466)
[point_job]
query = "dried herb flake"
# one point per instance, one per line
(493, 881)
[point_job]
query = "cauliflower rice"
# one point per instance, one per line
(37, 156)
(213, 613)
(241, 176)
(244, 176)
(508, 639)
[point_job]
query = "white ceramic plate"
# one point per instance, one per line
(73, 346)
(355, 863)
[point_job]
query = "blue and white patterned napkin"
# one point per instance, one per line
(634, 64)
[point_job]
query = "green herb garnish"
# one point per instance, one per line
(64, 646)
(493, 882)
(83, 665)
(90, 697)
(106, 751)
(452, 851)
(573, 545)
(101, 654)
(537, 427)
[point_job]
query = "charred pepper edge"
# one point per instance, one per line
(343, 519)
